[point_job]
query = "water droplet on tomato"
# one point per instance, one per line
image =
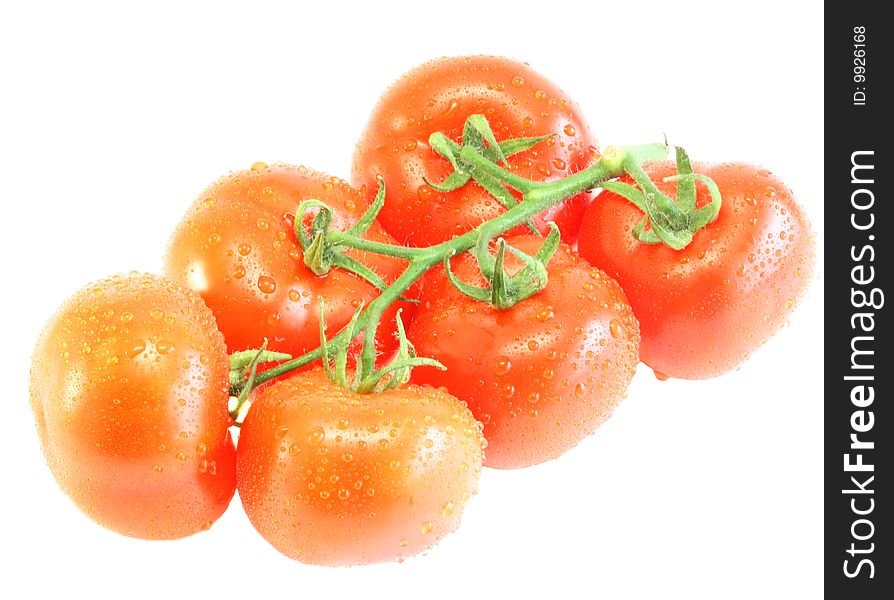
(258, 166)
(502, 365)
(135, 348)
(316, 436)
(518, 81)
(266, 284)
(427, 527)
(616, 329)
(569, 130)
(244, 249)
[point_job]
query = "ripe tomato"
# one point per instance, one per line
(129, 389)
(332, 477)
(704, 309)
(439, 96)
(236, 246)
(541, 375)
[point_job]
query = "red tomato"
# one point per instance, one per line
(129, 388)
(332, 477)
(439, 96)
(541, 375)
(704, 309)
(236, 247)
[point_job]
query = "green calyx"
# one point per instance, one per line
(478, 136)
(369, 380)
(505, 291)
(671, 223)
(321, 246)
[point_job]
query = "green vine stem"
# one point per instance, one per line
(536, 197)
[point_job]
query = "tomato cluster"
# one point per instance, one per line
(506, 351)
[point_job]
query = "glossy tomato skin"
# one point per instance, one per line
(236, 247)
(439, 96)
(704, 309)
(540, 376)
(331, 477)
(129, 390)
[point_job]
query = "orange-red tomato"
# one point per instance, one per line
(541, 375)
(332, 477)
(236, 246)
(439, 96)
(704, 309)
(129, 389)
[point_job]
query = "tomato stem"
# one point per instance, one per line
(536, 197)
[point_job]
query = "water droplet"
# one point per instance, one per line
(316, 436)
(580, 390)
(258, 166)
(266, 284)
(164, 346)
(424, 192)
(342, 423)
(126, 317)
(518, 81)
(448, 509)
(403, 543)
(540, 95)
(527, 122)
(156, 314)
(533, 345)
(383, 444)
(559, 164)
(201, 449)
(347, 457)
(135, 348)
(244, 249)
(239, 272)
(502, 365)
(616, 329)
(546, 314)
(158, 468)
(569, 130)
(324, 495)
(426, 527)
(343, 494)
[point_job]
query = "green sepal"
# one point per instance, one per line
(476, 293)
(516, 145)
(360, 227)
(452, 182)
(249, 383)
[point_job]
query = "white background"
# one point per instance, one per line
(113, 118)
